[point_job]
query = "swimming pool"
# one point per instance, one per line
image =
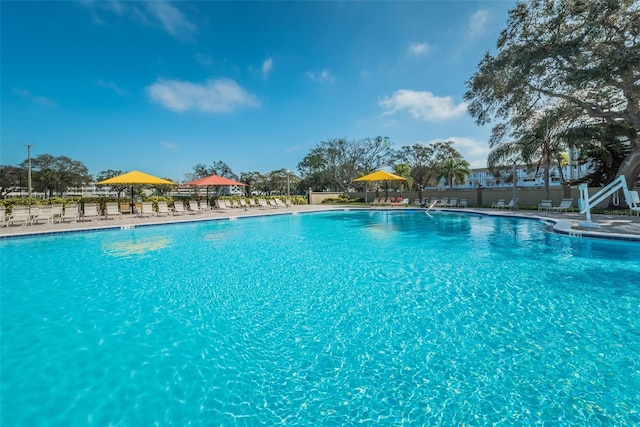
(337, 318)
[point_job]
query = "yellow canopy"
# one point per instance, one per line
(135, 177)
(381, 176)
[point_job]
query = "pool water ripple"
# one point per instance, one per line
(324, 319)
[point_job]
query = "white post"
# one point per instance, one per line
(29, 167)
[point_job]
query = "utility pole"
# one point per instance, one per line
(29, 167)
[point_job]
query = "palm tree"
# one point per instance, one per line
(454, 169)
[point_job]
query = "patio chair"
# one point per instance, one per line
(41, 214)
(3, 215)
(545, 205)
(147, 209)
(564, 206)
(498, 205)
(71, 213)
(178, 207)
(252, 203)
(221, 205)
(124, 207)
(56, 212)
(193, 207)
(90, 212)
(453, 202)
(262, 204)
(112, 210)
(20, 215)
(163, 208)
(462, 203)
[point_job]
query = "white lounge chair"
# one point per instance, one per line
(41, 214)
(193, 206)
(462, 203)
(56, 212)
(163, 208)
(564, 206)
(112, 210)
(3, 215)
(178, 207)
(71, 213)
(545, 205)
(147, 209)
(498, 205)
(20, 215)
(90, 212)
(453, 202)
(221, 205)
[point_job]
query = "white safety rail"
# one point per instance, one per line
(587, 202)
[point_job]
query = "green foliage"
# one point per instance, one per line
(571, 54)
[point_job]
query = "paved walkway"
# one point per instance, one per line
(616, 227)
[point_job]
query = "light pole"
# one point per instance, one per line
(29, 167)
(288, 189)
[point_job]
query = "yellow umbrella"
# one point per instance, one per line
(133, 178)
(380, 176)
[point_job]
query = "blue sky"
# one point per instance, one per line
(162, 86)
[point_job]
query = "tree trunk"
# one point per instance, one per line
(630, 168)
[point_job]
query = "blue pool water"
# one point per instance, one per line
(339, 318)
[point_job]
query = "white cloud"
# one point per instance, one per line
(418, 49)
(114, 87)
(423, 105)
(157, 14)
(39, 100)
(169, 18)
(267, 66)
(478, 24)
(203, 59)
(170, 145)
(322, 77)
(214, 96)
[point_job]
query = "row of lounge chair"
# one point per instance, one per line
(443, 202)
(547, 205)
(35, 214)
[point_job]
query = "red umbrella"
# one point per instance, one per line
(214, 180)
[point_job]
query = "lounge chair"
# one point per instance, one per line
(243, 204)
(124, 207)
(163, 208)
(3, 216)
(203, 205)
(564, 206)
(71, 213)
(498, 205)
(252, 203)
(178, 207)
(511, 204)
(147, 209)
(20, 215)
(262, 204)
(545, 205)
(41, 214)
(193, 206)
(453, 202)
(221, 205)
(112, 210)
(56, 212)
(462, 203)
(90, 212)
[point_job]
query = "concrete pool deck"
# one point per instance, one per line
(618, 227)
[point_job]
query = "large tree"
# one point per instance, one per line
(337, 162)
(110, 173)
(425, 161)
(12, 179)
(56, 174)
(585, 54)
